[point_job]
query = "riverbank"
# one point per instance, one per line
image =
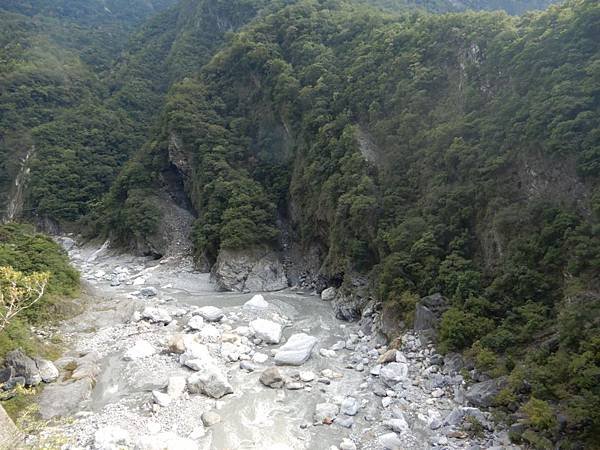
(161, 360)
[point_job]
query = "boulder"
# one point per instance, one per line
(347, 444)
(325, 412)
(260, 358)
(210, 418)
(60, 399)
(453, 363)
(393, 373)
(269, 332)
(161, 398)
(209, 333)
(176, 344)
(484, 393)
(156, 315)
(296, 350)
(249, 270)
(397, 425)
(148, 291)
(388, 357)
(349, 406)
(390, 441)
(196, 323)
(211, 313)
(258, 301)
(428, 311)
(141, 349)
(23, 366)
(176, 386)
(272, 378)
(209, 380)
(47, 369)
(328, 294)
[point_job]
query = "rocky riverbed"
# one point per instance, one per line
(160, 360)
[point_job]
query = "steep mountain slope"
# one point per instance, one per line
(76, 111)
(441, 6)
(454, 154)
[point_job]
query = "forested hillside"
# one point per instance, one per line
(454, 154)
(412, 153)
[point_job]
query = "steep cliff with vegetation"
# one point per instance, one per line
(454, 154)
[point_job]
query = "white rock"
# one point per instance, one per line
(296, 350)
(211, 313)
(307, 376)
(398, 425)
(324, 411)
(48, 370)
(260, 358)
(326, 353)
(390, 441)
(111, 438)
(196, 323)
(349, 406)
(195, 351)
(328, 294)
(157, 315)
(141, 349)
(243, 331)
(210, 333)
(393, 373)
(347, 444)
(161, 399)
(386, 401)
(209, 380)
(176, 386)
(269, 332)
(258, 301)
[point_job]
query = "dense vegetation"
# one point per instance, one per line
(455, 153)
(29, 252)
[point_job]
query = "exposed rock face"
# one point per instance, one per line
(483, 394)
(428, 312)
(249, 271)
(62, 398)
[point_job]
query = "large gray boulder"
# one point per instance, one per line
(23, 366)
(249, 271)
(296, 350)
(209, 380)
(393, 373)
(60, 399)
(428, 312)
(484, 393)
(47, 369)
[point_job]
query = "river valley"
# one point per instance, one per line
(160, 360)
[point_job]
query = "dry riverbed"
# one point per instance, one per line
(159, 360)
